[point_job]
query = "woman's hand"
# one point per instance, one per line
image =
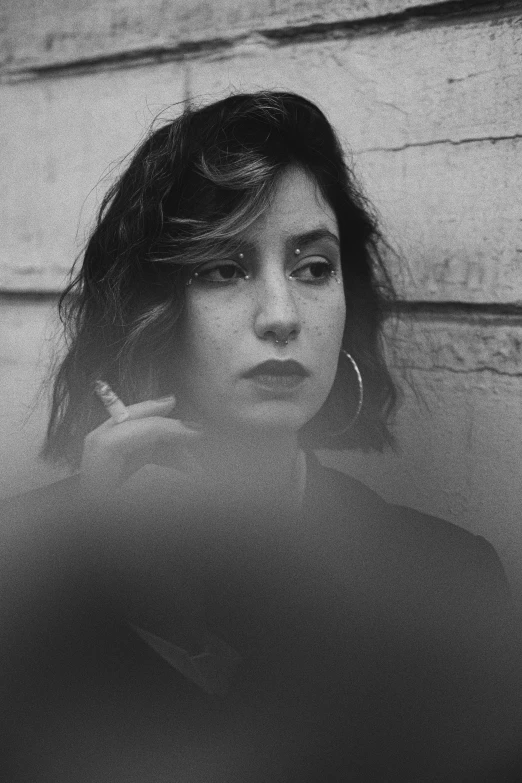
(115, 451)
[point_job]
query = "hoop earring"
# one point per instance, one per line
(360, 400)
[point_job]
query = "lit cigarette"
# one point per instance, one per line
(112, 403)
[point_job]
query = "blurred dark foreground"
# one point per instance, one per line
(376, 644)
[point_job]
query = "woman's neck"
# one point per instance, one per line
(254, 465)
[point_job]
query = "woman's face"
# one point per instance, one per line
(278, 298)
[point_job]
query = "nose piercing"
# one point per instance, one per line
(281, 342)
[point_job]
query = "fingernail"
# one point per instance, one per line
(168, 398)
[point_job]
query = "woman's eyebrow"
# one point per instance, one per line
(309, 237)
(300, 240)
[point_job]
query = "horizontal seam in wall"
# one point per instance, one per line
(492, 313)
(451, 12)
(23, 297)
(435, 142)
(458, 371)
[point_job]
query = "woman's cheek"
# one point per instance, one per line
(330, 325)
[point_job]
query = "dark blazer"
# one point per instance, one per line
(377, 644)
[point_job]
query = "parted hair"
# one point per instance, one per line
(195, 182)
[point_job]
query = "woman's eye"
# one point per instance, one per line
(314, 272)
(226, 272)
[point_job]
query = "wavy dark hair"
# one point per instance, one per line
(195, 182)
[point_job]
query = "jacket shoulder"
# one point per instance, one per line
(434, 549)
(402, 521)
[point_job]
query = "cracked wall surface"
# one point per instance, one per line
(57, 32)
(440, 158)
(427, 98)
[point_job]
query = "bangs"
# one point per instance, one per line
(228, 179)
(214, 208)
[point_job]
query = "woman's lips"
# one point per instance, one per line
(278, 376)
(277, 367)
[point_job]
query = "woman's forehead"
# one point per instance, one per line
(297, 211)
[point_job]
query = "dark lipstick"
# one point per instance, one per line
(277, 367)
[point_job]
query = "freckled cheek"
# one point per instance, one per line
(338, 317)
(215, 342)
(326, 320)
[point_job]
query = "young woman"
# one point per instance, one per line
(277, 620)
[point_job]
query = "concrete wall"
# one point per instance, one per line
(428, 97)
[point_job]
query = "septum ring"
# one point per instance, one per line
(281, 342)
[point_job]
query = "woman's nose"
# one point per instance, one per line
(277, 316)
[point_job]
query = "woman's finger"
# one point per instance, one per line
(139, 410)
(151, 407)
(119, 412)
